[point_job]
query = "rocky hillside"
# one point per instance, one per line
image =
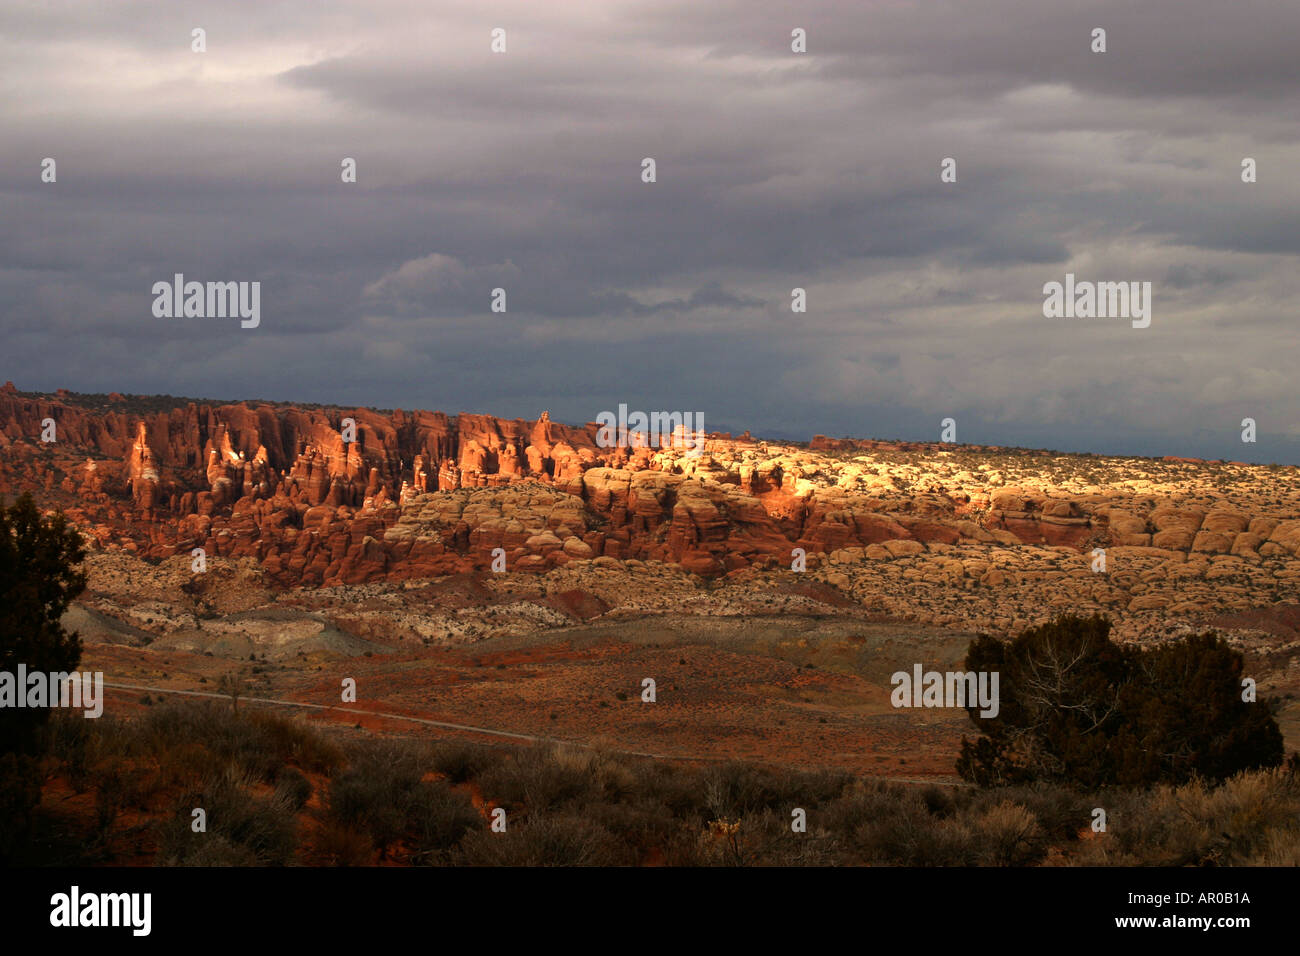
(968, 533)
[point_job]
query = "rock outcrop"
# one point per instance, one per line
(324, 496)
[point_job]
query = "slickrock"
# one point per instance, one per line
(954, 534)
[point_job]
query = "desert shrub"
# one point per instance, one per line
(938, 801)
(916, 839)
(292, 788)
(371, 805)
(460, 762)
(1060, 811)
(187, 763)
(868, 799)
(781, 846)
(565, 840)
(265, 830)
(539, 778)
(813, 787)
(609, 779)
(1199, 824)
(885, 824)
(1007, 834)
(69, 742)
(217, 850)
(734, 789)
(373, 793)
(677, 789)
(764, 838)
(384, 794)
(643, 824)
(1282, 848)
(259, 743)
(1144, 828)
(110, 795)
(293, 741)
(439, 819)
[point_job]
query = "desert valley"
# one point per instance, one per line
(768, 589)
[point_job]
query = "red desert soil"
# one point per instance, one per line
(712, 703)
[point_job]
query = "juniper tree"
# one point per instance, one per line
(1079, 709)
(39, 578)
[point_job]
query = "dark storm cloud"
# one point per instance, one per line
(775, 171)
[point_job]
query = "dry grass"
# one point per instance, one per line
(277, 791)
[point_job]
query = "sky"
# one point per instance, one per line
(774, 170)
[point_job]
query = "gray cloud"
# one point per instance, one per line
(774, 171)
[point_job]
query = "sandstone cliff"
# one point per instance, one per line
(419, 494)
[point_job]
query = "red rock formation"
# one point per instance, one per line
(142, 472)
(279, 484)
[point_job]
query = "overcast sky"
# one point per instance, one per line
(775, 170)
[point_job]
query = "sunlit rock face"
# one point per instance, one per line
(955, 534)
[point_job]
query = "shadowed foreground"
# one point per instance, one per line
(277, 791)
